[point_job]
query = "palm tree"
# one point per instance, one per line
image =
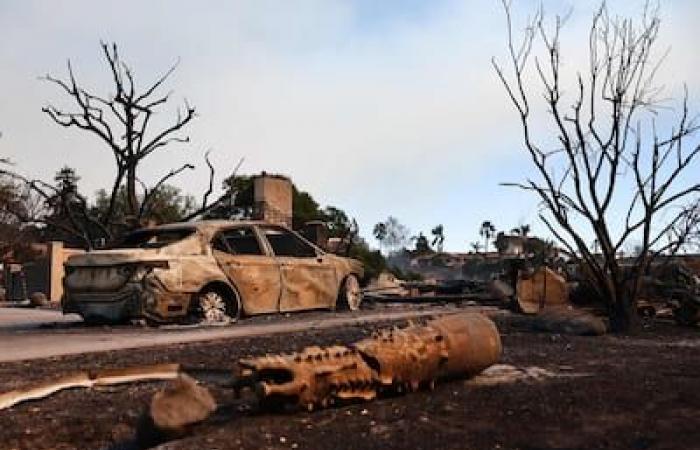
(439, 237)
(380, 233)
(476, 246)
(487, 230)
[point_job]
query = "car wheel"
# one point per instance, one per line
(350, 295)
(216, 308)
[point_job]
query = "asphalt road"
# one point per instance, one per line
(30, 334)
(28, 318)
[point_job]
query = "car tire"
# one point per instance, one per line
(350, 295)
(215, 307)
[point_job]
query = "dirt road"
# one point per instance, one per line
(69, 338)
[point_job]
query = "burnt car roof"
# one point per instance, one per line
(209, 228)
(207, 225)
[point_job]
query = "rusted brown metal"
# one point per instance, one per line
(313, 377)
(541, 289)
(390, 360)
(472, 342)
(163, 281)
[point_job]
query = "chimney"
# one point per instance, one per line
(272, 195)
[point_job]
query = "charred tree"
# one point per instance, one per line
(612, 174)
(124, 122)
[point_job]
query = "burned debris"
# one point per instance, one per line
(531, 284)
(209, 271)
(397, 360)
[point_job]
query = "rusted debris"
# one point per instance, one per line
(391, 360)
(388, 288)
(313, 377)
(539, 289)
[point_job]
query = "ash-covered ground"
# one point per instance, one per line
(563, 392)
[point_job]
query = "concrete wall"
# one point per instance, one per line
(57, 256)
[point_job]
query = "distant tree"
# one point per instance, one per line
(238, 198)
(67, 210)
(58, 210)
(338, 222)
(476, 246)
(422, 244)
(66, 199)
(372, 260)
(501, 242)
(67, 181)
(166, 205)
(15, 202)
(305, 208)
(397, 235)
(379, 231)
(541, 249)
(438, 237)
(238, 202)
(487, 231)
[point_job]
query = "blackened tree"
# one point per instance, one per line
(613, 174)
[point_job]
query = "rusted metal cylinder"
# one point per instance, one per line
(473, 343)
(391, 360)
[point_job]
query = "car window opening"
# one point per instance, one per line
(242, 241)
(284, 243)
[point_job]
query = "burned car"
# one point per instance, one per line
(209, 271)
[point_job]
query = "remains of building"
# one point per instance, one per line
(532, 282)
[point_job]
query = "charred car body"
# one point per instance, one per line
(213, 271)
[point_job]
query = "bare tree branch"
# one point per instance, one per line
(596, 153)
(123, 121)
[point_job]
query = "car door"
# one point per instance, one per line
(254, 272)
(309, 279)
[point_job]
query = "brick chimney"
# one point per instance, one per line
(272, 195)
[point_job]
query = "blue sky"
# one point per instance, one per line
(378, 107)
